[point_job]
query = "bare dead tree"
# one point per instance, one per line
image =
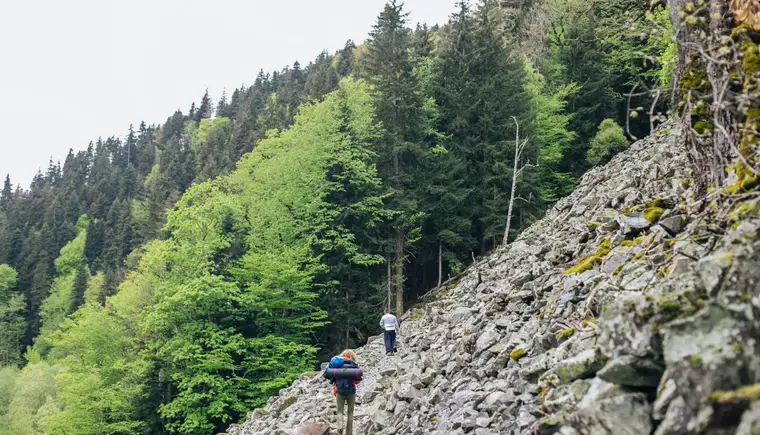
(516, 174)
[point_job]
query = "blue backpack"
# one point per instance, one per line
(344, 386)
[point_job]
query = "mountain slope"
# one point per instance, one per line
(592, 322)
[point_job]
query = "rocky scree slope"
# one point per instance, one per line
(631, 308)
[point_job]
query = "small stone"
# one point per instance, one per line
(663, 399)
(497, 399)
(633, 223)
(487, 339)
(483, 422)
(312, 429)
(458, 315)
(630, 371)
(525, 418)
(407, 392)
(464, 398)
(680, 266)
(673, 224)
(750, 424)
(584, 364)
(711, 270)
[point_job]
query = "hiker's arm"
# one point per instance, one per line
(382, 325)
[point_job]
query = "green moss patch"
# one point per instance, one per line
(517, 353)
(587, 262)
(416, 314)
(653, 214)
(743, 394)
(565, 333)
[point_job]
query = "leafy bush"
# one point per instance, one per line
(609, 140)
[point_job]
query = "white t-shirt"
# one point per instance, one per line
(389, 322)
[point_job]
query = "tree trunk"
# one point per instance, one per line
(389, 283)
(398, 279)
(440, 263)
(511, 202)
(515, 175)
(348, 321)
(704, 75)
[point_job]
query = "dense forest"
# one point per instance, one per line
(172, 279)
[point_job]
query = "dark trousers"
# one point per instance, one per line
(350, 401)
(390, 341)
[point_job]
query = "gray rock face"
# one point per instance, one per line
(750, 424)
(673, 224)
(630, 371)
(633, 223)
(645, 338)
(312, 429)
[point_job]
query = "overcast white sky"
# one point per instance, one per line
(71, 71)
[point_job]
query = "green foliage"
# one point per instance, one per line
(100, 385)
(32, 399)
(552, 134)
(12, 329)
(62, 300)
(12, 322)
(235, 287)
(609, 140)
(8, 278)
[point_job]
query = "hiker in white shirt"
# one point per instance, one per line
(390, 325)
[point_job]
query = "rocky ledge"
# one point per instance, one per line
(631, 308)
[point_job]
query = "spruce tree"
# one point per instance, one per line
(399, 106)
(205, 110)
(321, 77)
(6, 196)
(346, 59)
(223, 106)
(79, 287)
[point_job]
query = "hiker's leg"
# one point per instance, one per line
(393, 341)
(350, 417)
(388, 343)
(341, 399)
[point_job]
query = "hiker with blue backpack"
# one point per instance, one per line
(344, 374)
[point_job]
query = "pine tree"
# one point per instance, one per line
(6, 196)
(205, 110)
(12, 322)
(223, 107)
(399, 106)
(321, 77)
(146, 150)
(346, 59)
(130, 148)
(79, 287)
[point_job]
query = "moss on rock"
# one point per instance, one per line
(743, 394)
(587, 262)
(653, 214)
(517, 353)
(565, 333)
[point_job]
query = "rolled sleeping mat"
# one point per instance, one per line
(343, 373)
